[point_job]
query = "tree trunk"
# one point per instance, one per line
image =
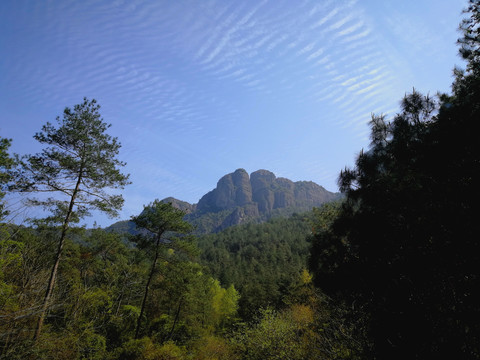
(175, 320)
(152, 271)
(53, 274)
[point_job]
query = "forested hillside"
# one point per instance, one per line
(67, 292)
(152, 297)
(263, 261)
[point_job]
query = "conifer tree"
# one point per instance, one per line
(403, 250)
(158, 218)
(78, 165)
(6, 165)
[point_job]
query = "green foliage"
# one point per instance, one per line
(23, 255)
(402, 252)
(289, 334)
(470, 28)
(6, 165)
(274, 337)
(398, 257)
(263, 261)
(225, 303)
(212, 347)
(145, 349)
(10, 263)
(185, 304)
(82, 343)
(79, 162)
(95, 308)
(157, 219)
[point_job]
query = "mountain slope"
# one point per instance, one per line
(239, 198)
(263, 261)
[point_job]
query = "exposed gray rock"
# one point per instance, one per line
(240, 198)
(182, 205)
(232, 190)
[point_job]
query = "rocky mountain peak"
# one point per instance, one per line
(232, 190)
(240, 198)
(259, 195)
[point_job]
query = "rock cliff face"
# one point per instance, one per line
(239, 198)
(182, 205)
(232, 190)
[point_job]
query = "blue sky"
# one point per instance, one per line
(197, 89)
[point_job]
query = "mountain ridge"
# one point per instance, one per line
(240, 198)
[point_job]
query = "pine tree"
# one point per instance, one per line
(79, 164)
(6, 165)
(158, 218)
(404, 250)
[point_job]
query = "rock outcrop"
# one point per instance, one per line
(239, 198)
(232, 190)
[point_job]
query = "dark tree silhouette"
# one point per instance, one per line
(403, 250)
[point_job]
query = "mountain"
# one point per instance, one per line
(239, 198)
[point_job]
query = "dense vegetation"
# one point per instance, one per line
(402, 251)
(71, 293)
(263, 261)
(105, 284)
(394, 265)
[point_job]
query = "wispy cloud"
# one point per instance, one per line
(324, 19)
(195, 86)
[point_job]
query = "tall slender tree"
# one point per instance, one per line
(6, 165)
(158, 218)
(79, 164)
